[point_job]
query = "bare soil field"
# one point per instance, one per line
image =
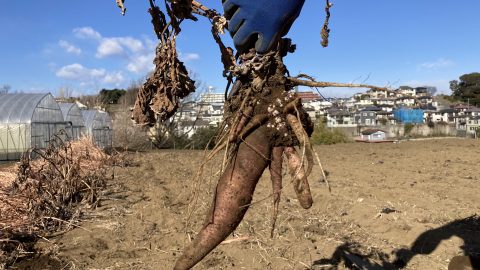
(411, 204)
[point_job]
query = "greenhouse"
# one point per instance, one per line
(27, 121)
(99, 126)
(75, 124)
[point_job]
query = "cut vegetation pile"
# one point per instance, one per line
(45, 196)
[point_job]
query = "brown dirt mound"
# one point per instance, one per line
(412, 203)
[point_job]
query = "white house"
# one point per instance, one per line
(472, 125)
(406, 91)
(405, 101)
(373, 135)
(377, 93)
(386, 101)
(339, 118)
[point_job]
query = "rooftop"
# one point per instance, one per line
(371, 131)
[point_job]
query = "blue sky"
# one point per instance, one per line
(87, 45)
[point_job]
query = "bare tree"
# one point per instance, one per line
(129, 136)
(65, 93)
(4, 89)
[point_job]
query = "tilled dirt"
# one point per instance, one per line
(410, 204)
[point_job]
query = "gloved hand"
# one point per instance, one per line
(260, 23)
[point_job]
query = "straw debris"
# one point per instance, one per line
(44, 196)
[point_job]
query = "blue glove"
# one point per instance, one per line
(260, 23)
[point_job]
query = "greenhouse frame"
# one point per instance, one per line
(27, 121)
(75, 124)
(99, 127)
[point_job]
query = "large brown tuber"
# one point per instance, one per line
(233, 195)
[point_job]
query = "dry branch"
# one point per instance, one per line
(297, 82)
(48, 192)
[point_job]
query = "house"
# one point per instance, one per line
(429, 112)
(461, 121)
(373, 135)
(317, 105)
(386, 108)
(433, 116)
(367, 116)
(364, 102)
(309, 96)
(473, 111)
(186, 114)
(340, 118)
(190, 127)
(377, 93)
(449, 115)
(384, 118)
(424, 100)
(462, 108)
(405, 101)
(212, 98)
(421, 91)
(472, 125)
(405, 91)
(386, 101)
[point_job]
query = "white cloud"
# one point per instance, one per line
(113, 78)
(133, 44)
(108, 47)
(137, 55)
(86, 33)
(189, 57)
(438, 64)
(77, 72)
(68, 47)
(141, 63)
(118, 46)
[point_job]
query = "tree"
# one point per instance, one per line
(111, 96)
(454, 87)
(4, 89)
(467, 89)
(65, 93)
(203, 137)
(431, 90)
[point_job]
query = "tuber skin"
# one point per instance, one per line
(276, 177)
(300, 181)
(235, 131)
(234, 193)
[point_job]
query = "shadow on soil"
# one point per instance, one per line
(468, 229)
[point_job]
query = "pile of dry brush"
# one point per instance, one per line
(45, 196)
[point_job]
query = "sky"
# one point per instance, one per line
(88, 45)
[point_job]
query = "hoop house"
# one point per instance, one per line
(26, 121)
(75, 124)
(98, 126)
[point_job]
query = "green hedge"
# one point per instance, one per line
(324, 135)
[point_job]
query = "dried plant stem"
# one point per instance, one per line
(325, 30)
(296, 82)
(323, 171)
